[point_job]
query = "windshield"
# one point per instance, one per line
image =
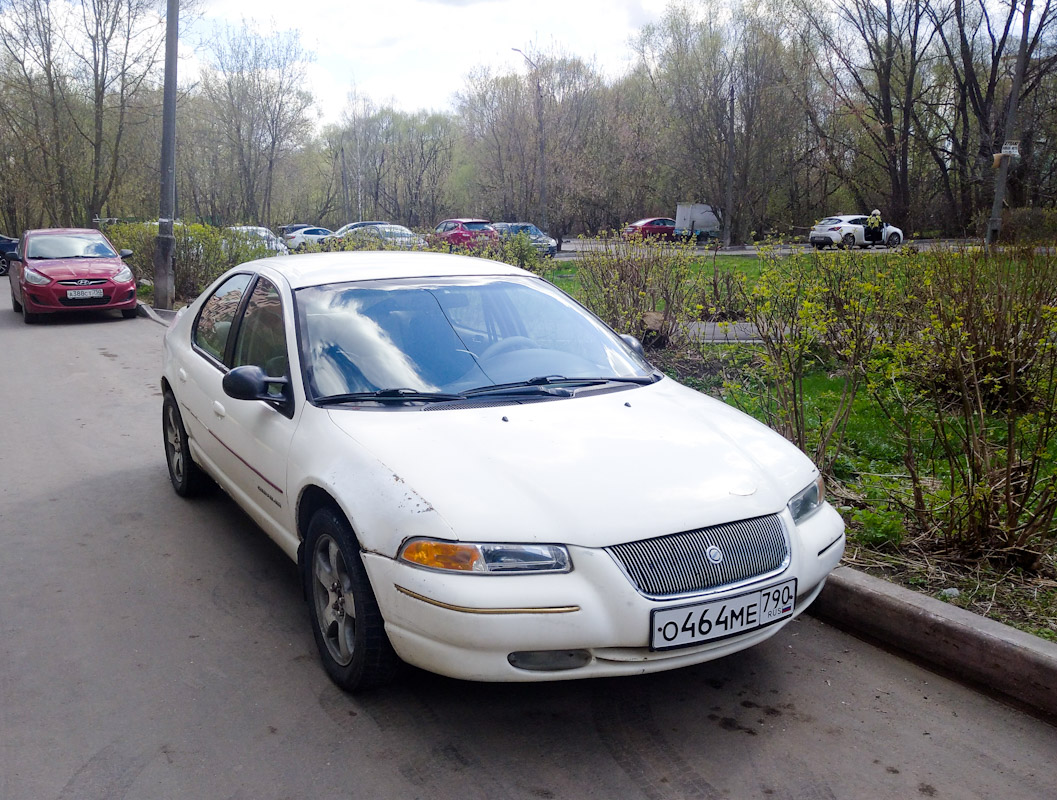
(452, 335)
(477, 226)
(69, 245)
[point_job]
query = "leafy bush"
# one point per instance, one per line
(1029, 226)
(643, 287)
(201, 253)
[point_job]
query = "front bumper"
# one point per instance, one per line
(54, 298)
(467, 626)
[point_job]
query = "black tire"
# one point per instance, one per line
(29, 317)
(188, 479)
(893, 240)
(848, 242)
(15, 305)
(346, 622)
(130, 313)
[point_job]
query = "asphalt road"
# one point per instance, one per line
(152, 648)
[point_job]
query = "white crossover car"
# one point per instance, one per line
(849, 230)
(476, 476)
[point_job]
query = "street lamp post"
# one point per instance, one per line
(542, 141)
(165, 243)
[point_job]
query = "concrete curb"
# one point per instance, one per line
(161, 316)
(978, 650)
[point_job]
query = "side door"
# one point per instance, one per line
(860, 229)
(200, 373)
(257, 433)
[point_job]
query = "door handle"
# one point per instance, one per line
(219, 409)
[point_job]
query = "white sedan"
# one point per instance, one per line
(478, 477)
(295, 240)
(849, 230)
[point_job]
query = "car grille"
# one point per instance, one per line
(84, 282)
(677, 564)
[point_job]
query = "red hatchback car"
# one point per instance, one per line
(466, 232)
(67, 269)
(651, 228)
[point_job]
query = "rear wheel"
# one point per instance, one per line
(346, 622)
(188, 479)
(848, 242)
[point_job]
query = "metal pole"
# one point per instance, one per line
(164, 244)
(994, 225)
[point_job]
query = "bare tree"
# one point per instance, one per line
(255, 88)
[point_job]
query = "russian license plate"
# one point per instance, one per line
(82, 294)
(718, 619)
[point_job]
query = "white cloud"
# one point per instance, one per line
(417, 53)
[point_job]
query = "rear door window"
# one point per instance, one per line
(213, 326)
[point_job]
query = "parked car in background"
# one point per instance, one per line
(651, 228)
(544, 244)
(465, 232)
(849, 230)
(257, 232)
(699, 221)
(69, 269)
(285, 229)
(295, 240)
(385, 236)
(426, 536)
(8, 245)
(354, 225)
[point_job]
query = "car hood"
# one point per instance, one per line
(64, 269)
(591, 471)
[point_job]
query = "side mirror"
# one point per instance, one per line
(633, 343)
(251, 383)
(124, 253)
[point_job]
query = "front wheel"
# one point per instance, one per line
(893, 240)
(346, 622)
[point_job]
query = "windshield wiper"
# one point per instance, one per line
(547, 384)
(400, 395)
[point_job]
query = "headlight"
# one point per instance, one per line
(808, 501)
(124, 276)
(485, 558)
(34, 277)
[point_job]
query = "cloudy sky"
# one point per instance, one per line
(416, 53)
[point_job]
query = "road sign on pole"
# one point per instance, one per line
(1011, 149)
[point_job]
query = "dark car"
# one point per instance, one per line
(70, 269)
(8, 246)
(651, 228)
(544, 244)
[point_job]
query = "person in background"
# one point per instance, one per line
(874, 225)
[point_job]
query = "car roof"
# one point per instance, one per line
(62, 231)
(314, 269)
(468, 219)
